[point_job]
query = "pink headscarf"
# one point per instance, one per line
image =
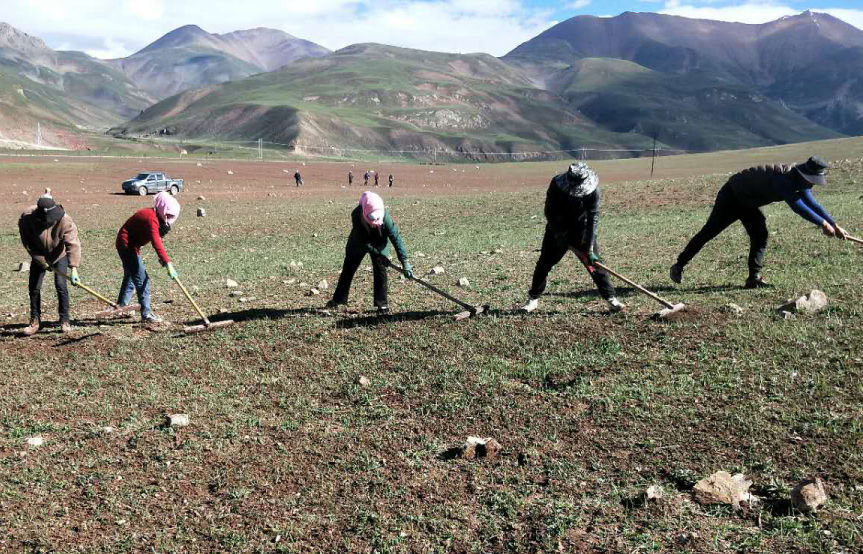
(373, 208)
(167, 207)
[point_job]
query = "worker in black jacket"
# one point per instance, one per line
(572, 214)
(742, 198)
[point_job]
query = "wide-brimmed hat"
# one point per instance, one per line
(814, 170)
(47, 211)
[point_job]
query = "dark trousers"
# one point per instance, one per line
(553, 250)
(349, 269)
(726, 211)
(36, 276)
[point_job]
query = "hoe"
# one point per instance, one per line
(669, 307)
(470, 310)
(208, 325)
(116, 309)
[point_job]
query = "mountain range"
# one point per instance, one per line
(609, 83)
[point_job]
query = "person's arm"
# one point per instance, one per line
(793, 198)
(71, 242)
(156, 239)
(396, 239)
(592, 220)
(809, 200)
(24, 231)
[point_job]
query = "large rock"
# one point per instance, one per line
(436, 270)
(231, 284)
(476, 447)
(813, 302)
(323, 285)
(23, 266)
(464, 283)
(178, 420)
(809, 495)
(202, 212)
(723, 488)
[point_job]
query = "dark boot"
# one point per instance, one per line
(757, 282)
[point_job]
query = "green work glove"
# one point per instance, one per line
(592, 257)
(409, 269)
(172, 273)
(373, 251)
(73, 276)
(45, 266)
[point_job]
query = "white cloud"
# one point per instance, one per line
(752, 11)
(111, 50)
(578, 4)
(148, 10)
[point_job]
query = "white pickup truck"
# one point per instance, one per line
(152, 182)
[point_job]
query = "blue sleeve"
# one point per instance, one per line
(813, 204)
(789, 193)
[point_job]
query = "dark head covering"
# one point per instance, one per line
(48, 212)
(814, 171)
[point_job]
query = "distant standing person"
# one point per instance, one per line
(51, 238)
(298, 178)
(350, 177)
(572, 215)
(377, 176)
(366, 178)
(391, 180)
(743, 196)
(148, 225)
(371, 232)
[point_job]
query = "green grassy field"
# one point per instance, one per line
(286, 452)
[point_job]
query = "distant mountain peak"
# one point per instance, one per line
(16, 39)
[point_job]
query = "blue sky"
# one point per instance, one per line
(116, 28)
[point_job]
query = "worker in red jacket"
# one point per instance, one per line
(146, 226)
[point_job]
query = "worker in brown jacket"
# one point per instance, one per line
(51, 238)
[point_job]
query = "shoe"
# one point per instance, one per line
(332, 304)
(756, 282)
(615, 305)
(383, 310)
(151, 319)
(677, 273)
(530, 305)
(65, 327)
(31, 329)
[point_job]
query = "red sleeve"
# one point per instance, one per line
(157, 240)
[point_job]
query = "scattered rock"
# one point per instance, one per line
(809, 495)
(36, 441)
(323, 285)
(223, 310)
(419, 255)
(363, 381)
(476, 447)
(685, 538)
(231, 284)
(107, 430)
(498, 251)
(733, 309)
(436, 270)
(654, 492)
(201, 198)
(813, 302)
(723, 488)
(304, 285)
(202, 212)
(235, 293)
(249, 299)
(785, 315)
(178, 420)
(230, 172)
(314, 292)
(314, 235)
(464, 283)
(23, 266)
(198, 164)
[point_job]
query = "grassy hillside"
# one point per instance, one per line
(694, 112)
(374, 96)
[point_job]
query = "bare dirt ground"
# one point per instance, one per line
(288, 452)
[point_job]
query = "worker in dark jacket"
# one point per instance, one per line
(149, 225)
(298, 178)
(51, 238)
(391, 180)
(373, 229)
(742, 198)
(350, 177)
(572, 214)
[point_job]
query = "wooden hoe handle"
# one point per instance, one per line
(88, 289)
(192, 300)
(638, 287)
